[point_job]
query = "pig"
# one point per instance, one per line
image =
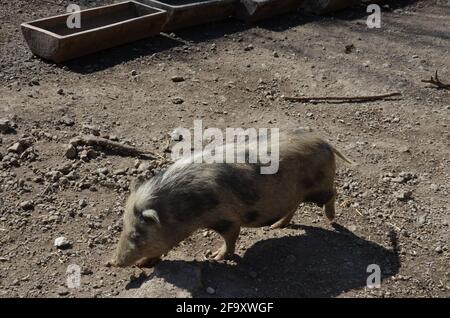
(224, 197)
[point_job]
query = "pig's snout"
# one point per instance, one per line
(126, 254)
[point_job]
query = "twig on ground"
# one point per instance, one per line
(353, 99)
(116, 147)
(436, 82)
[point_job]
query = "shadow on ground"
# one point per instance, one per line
(160, 43)
(318, 263)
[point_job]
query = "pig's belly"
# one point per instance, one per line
(267, 212)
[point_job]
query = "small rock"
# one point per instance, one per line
(6, 126)
(16, 148)
(177, 79)
(434, 187)
(404, 149)
(403, 195)
(398, 179)
(62, 243)
(438, 249)
(144, 166)
(62, 291)
(134, 73)
(86, 155)
(275, 54)
(177, 100)
(82, 203)
(91, 130)
(71, 152)
(421, 219)
(120, 172)
(66, 120)
(210, 291)
(349, 48)
(249, 47)
(176, 135)
(60, 91)
(103, 171)
(27, 205)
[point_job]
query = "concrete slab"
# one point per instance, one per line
(186, 13)
(101, 28)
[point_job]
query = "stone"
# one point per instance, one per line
(90, 129)
(103, 171)
(403, 195)
(62, 243)
(177, 79)
(62, 291)
(249, 47)
(177, 100)
(66, 120)
(16, 148)
(6, 126)
(176, 135)
(82, 203)
(71, 152)
(26, 205)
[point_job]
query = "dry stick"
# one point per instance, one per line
(436, 82)
(113, 146)
(354, 99)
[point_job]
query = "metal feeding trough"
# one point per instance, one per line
(186, 13)
(101, 28)
(255, 10)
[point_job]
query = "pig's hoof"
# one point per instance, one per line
(278, 225)
(220, 255)
(147, 263)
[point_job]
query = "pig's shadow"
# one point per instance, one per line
(319, 263)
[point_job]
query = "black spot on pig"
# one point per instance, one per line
(241, 183)
(185, 204)
(319, 197)
(222, 226)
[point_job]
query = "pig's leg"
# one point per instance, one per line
(284, 221)
(230, 235)
(329, 207)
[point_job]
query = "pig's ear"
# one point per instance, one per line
(151, 215)
(136, 183)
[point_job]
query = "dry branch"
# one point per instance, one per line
(353, 99)
(436, 82)
(112, 146)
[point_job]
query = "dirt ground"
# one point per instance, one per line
(393, 208)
